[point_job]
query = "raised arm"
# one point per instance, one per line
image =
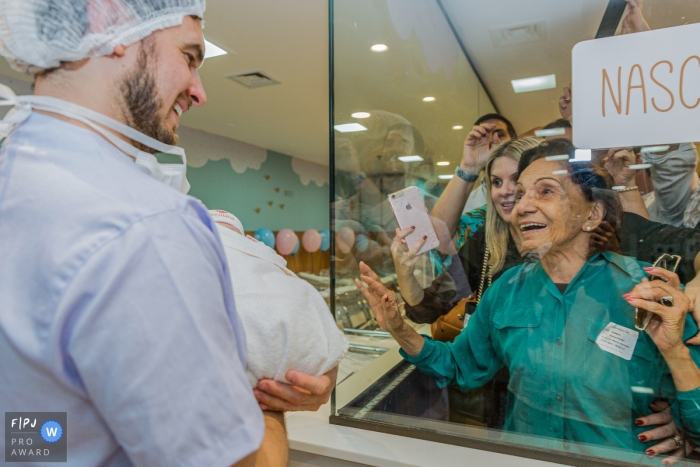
(618, 162)
(477, 149)
(383, 303)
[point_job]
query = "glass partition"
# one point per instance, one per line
(556, 362)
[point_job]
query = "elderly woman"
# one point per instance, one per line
(563, 324)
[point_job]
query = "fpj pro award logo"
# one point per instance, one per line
(36, 436)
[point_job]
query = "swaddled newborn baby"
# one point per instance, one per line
(287, 323)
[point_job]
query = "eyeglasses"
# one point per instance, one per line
(642, 318)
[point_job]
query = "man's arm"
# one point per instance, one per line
(477, 149)
(274, 451)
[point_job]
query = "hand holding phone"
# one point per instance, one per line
(410, 211)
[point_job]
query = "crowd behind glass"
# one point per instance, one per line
(575, 278)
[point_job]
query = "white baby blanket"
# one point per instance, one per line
(288, 325)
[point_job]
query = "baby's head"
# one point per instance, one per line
(228, 220)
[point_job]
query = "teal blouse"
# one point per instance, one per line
(562, 385)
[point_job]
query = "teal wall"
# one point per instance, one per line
(248, 195)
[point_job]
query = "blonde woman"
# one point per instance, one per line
(487, 252)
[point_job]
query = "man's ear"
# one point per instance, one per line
(119, 51)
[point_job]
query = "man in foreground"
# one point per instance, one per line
(116, 300)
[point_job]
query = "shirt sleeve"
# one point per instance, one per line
(152, 336)
(672, 175)
(470, 361)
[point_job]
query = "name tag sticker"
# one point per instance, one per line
(618, 340)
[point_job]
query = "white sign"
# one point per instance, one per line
(617, 340)
(637, 89)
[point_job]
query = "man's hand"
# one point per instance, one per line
(566, 105)
(617, 162)
(477, 147)
(305, 392)
(633, 20)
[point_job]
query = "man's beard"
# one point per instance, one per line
(141, 101)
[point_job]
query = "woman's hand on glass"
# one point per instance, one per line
(380, 299)
(666, 434)
(666, 327)
(405, 258)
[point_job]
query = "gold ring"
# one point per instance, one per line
(410, 255)
(678, 440)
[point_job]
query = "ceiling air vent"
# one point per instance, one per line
(519, 34)
(252, 79)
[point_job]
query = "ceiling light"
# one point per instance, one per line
(443, 163)
(349, 127)
(429, 99)
(537, 83)
(360, 115)
(550, 132)
(379, 48)
(446, 177)
(414, 158)
(457, 127)
(212, 50)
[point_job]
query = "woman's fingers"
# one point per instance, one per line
(671, 278)
(403, 233)
(659, 418)
(414, 250)
(367, 271)
(374, 285)
(663, 447)
(659, 433)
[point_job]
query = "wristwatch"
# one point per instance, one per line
(467, 177)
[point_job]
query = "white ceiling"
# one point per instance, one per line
(289, 41)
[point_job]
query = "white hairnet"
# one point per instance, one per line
(37, 35)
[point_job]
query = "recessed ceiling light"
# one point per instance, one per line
(349, 127)
(379, 48)
(536, 83)
(550, 132)
(360, 115)
(457, 127)
(429, 99)
(446, 177)
(413, 158)
(212, 50)
(443, 163)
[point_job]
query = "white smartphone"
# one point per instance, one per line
(409, 210)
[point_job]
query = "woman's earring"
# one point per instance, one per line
(588, 228)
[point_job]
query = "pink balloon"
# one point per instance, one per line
(345, 239)
(311, 240)
(286, 241)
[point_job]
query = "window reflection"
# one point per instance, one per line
(540, 278)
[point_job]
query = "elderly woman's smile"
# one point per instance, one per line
(551, 210)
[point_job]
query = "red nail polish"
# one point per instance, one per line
(638, 422)
(649, 452)
(386, 299)
(425, 237)
(642, 438)
(648, 268)
(413, 227)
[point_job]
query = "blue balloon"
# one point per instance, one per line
(361, 242)
(325, 239)
(266, 236)
(296, 248)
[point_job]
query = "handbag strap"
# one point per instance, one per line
(485, 271)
